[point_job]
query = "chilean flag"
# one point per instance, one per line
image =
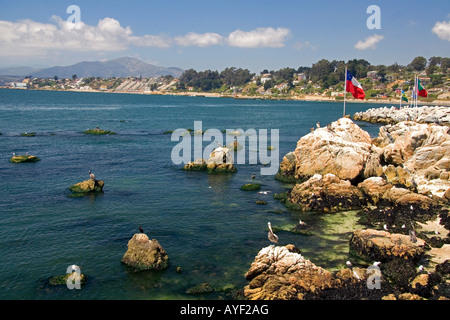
(354, 87)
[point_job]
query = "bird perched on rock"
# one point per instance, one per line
(420, 268)
(272, 236)
(253, 176)
(91, 175)
(140, 229)
(377, 263)
(301, 223)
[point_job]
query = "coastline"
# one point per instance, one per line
(244, 97)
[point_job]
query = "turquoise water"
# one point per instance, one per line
(208, 227)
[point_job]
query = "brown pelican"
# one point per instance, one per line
(272, 236)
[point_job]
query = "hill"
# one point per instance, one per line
(121, 67)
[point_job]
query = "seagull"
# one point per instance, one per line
(91, 175)
(385, 227)
(412, 208)
(140, 229)
(403, 226)
(377, 263)
(420, 268)
(349, 264)
(318, 124)
(301, 223)
(14, 154)
(272, 236)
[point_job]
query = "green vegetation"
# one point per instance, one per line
(324, 78)
(22, 159)
(28, 134)
(61, 280)
(98, 131)
(251, 187)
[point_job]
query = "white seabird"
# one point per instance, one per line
(272, 236)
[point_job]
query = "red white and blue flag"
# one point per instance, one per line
(354, 87)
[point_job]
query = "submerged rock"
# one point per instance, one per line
(145, 254)
(61, 280)
(98, 131)
(22, 159)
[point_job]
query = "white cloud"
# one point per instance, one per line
(30, 38)
(304, 45)
(442, 30)
(369, 43)
(260, 37)
(199, 40)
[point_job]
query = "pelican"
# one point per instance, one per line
(272, 236)
(91, 175)
(140, 229)
(412, 236)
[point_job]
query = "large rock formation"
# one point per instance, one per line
(342, 148)
(384, 246)
(327, 193)
(438, 115)
(280, 274)
(145, 254)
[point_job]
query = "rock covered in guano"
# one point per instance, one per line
(280, 273)
(380, 245)
(145, 254)
(342, 148)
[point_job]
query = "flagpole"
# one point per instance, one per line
(345, 88)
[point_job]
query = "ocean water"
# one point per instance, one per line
(206, 224)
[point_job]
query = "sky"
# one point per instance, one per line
(210, 34)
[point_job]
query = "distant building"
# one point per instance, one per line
(372, 74)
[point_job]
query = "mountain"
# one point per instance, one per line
(18, 71)
(121, 67)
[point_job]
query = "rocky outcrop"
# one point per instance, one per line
(145, 254)
(280, 274)
(425, 114)
(378, 245)
(220, 160)
(342, 148)
(327, 193)
(88, 186)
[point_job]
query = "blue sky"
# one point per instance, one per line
(214, 35)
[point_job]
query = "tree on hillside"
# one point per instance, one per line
(418, 63)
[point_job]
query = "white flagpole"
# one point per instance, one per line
(345, 88)
(416, 90)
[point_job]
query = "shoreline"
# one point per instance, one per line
(312, 98)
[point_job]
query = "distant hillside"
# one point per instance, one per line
(122, 67)
(18, 71)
